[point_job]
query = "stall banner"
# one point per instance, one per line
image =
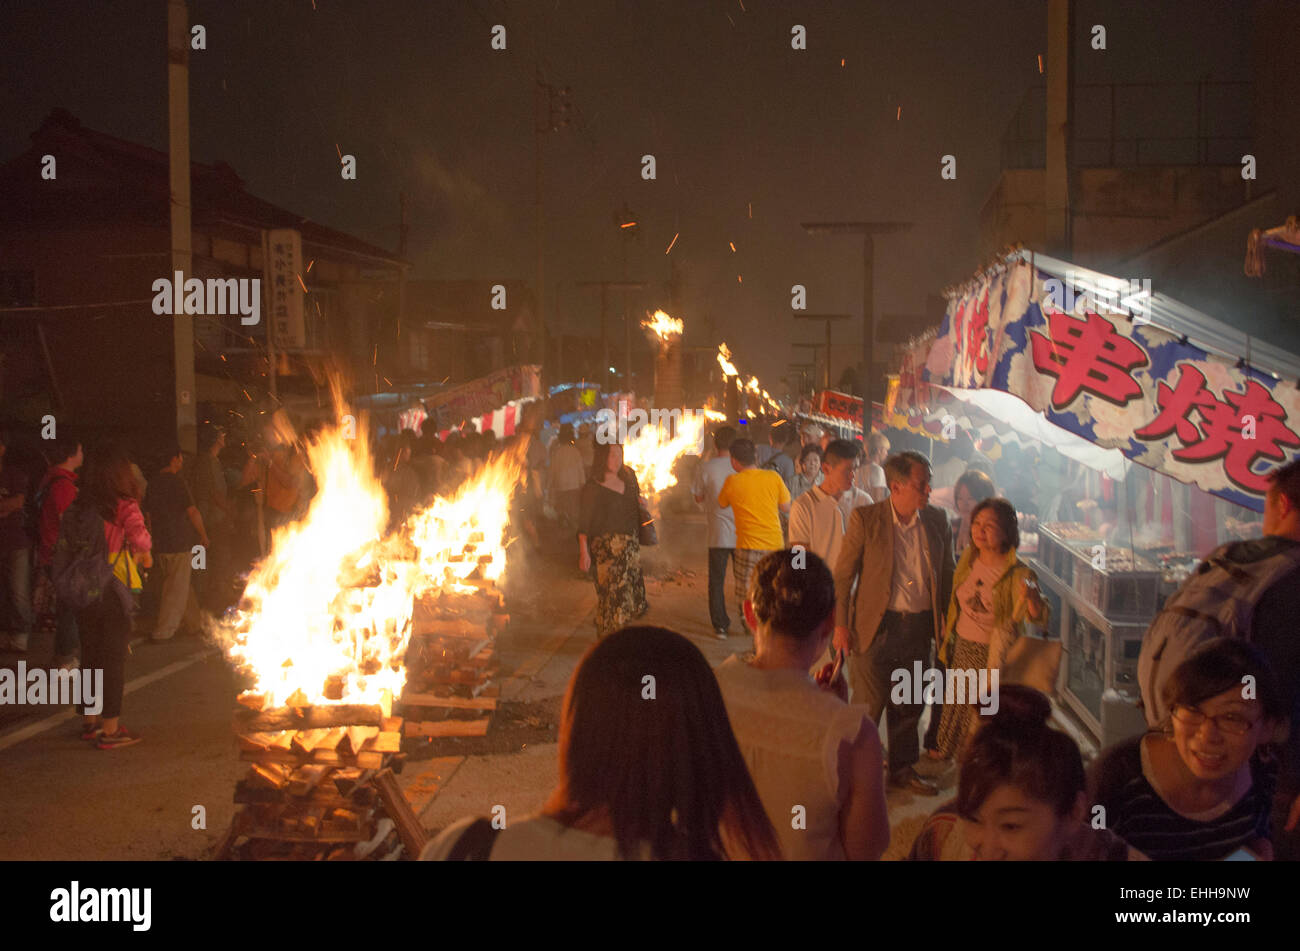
(505, 422)
(1120, 382)
(839, 406)
(480, 397)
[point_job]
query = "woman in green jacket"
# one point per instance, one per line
(994, 594)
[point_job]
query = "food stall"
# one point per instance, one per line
(1149, 439)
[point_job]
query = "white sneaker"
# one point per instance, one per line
(69, 663)
(16, 642)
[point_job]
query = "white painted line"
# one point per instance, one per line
(40, 726)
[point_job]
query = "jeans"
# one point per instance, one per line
(718, 558)
(901, 641)
(17, 567)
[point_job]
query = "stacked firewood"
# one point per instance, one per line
(452, 662)
(320, 785)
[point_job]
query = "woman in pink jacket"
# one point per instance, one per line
(111, 487)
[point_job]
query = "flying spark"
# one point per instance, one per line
(900, 113)
(1040, 63)
(671, 243)
(733, 246)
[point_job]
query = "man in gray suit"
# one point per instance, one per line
(899, 553)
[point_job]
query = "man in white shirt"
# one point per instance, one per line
(899, 552)
(709, 477)
(820, 516)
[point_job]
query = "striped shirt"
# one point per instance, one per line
(1137, 813)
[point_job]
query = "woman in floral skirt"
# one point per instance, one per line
(609, 521)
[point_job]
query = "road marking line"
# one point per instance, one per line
(40, 726)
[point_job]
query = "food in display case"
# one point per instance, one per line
(1240, 530)
(1071, 531)
(1177, 567)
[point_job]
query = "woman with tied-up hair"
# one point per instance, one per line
(609, 523)
(1021, 795)
(814, 756)
(649, 768)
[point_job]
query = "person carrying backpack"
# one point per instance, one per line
(102, 548)
(57, 490)
(1248, 590)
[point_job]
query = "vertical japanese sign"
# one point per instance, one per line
(284, 282)
(1106, 374)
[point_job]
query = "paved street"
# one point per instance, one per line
(67, 800)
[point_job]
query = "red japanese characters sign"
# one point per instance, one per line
(1120, 382)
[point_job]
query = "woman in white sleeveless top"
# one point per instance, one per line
(815, 759)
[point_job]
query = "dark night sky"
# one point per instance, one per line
(714, 91)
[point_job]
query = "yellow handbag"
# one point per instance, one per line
(126, 570)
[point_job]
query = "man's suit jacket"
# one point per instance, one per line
(867, 556)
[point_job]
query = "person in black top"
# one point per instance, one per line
(176, 527)
(609, 522)
(1196, 791)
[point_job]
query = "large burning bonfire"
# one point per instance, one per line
(326, 617)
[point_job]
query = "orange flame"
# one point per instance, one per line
(326, 616)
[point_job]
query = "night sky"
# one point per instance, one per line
(712, 88)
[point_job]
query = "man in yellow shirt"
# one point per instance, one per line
(757, 497)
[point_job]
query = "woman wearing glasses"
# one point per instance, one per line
(1196, 790)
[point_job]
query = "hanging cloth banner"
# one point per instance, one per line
(482, 396)
(1099, 369)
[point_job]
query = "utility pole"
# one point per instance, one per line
(553, 116)
(868, 229)
(182, 254)
(826, 377)
(628, 228)
(803, 369)
(814, 347)
(1060, 80)
(605, 288)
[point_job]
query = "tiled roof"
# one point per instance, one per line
(112, 179)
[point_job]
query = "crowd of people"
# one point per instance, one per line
(101, 550)
(844, 573)
(846, 578)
